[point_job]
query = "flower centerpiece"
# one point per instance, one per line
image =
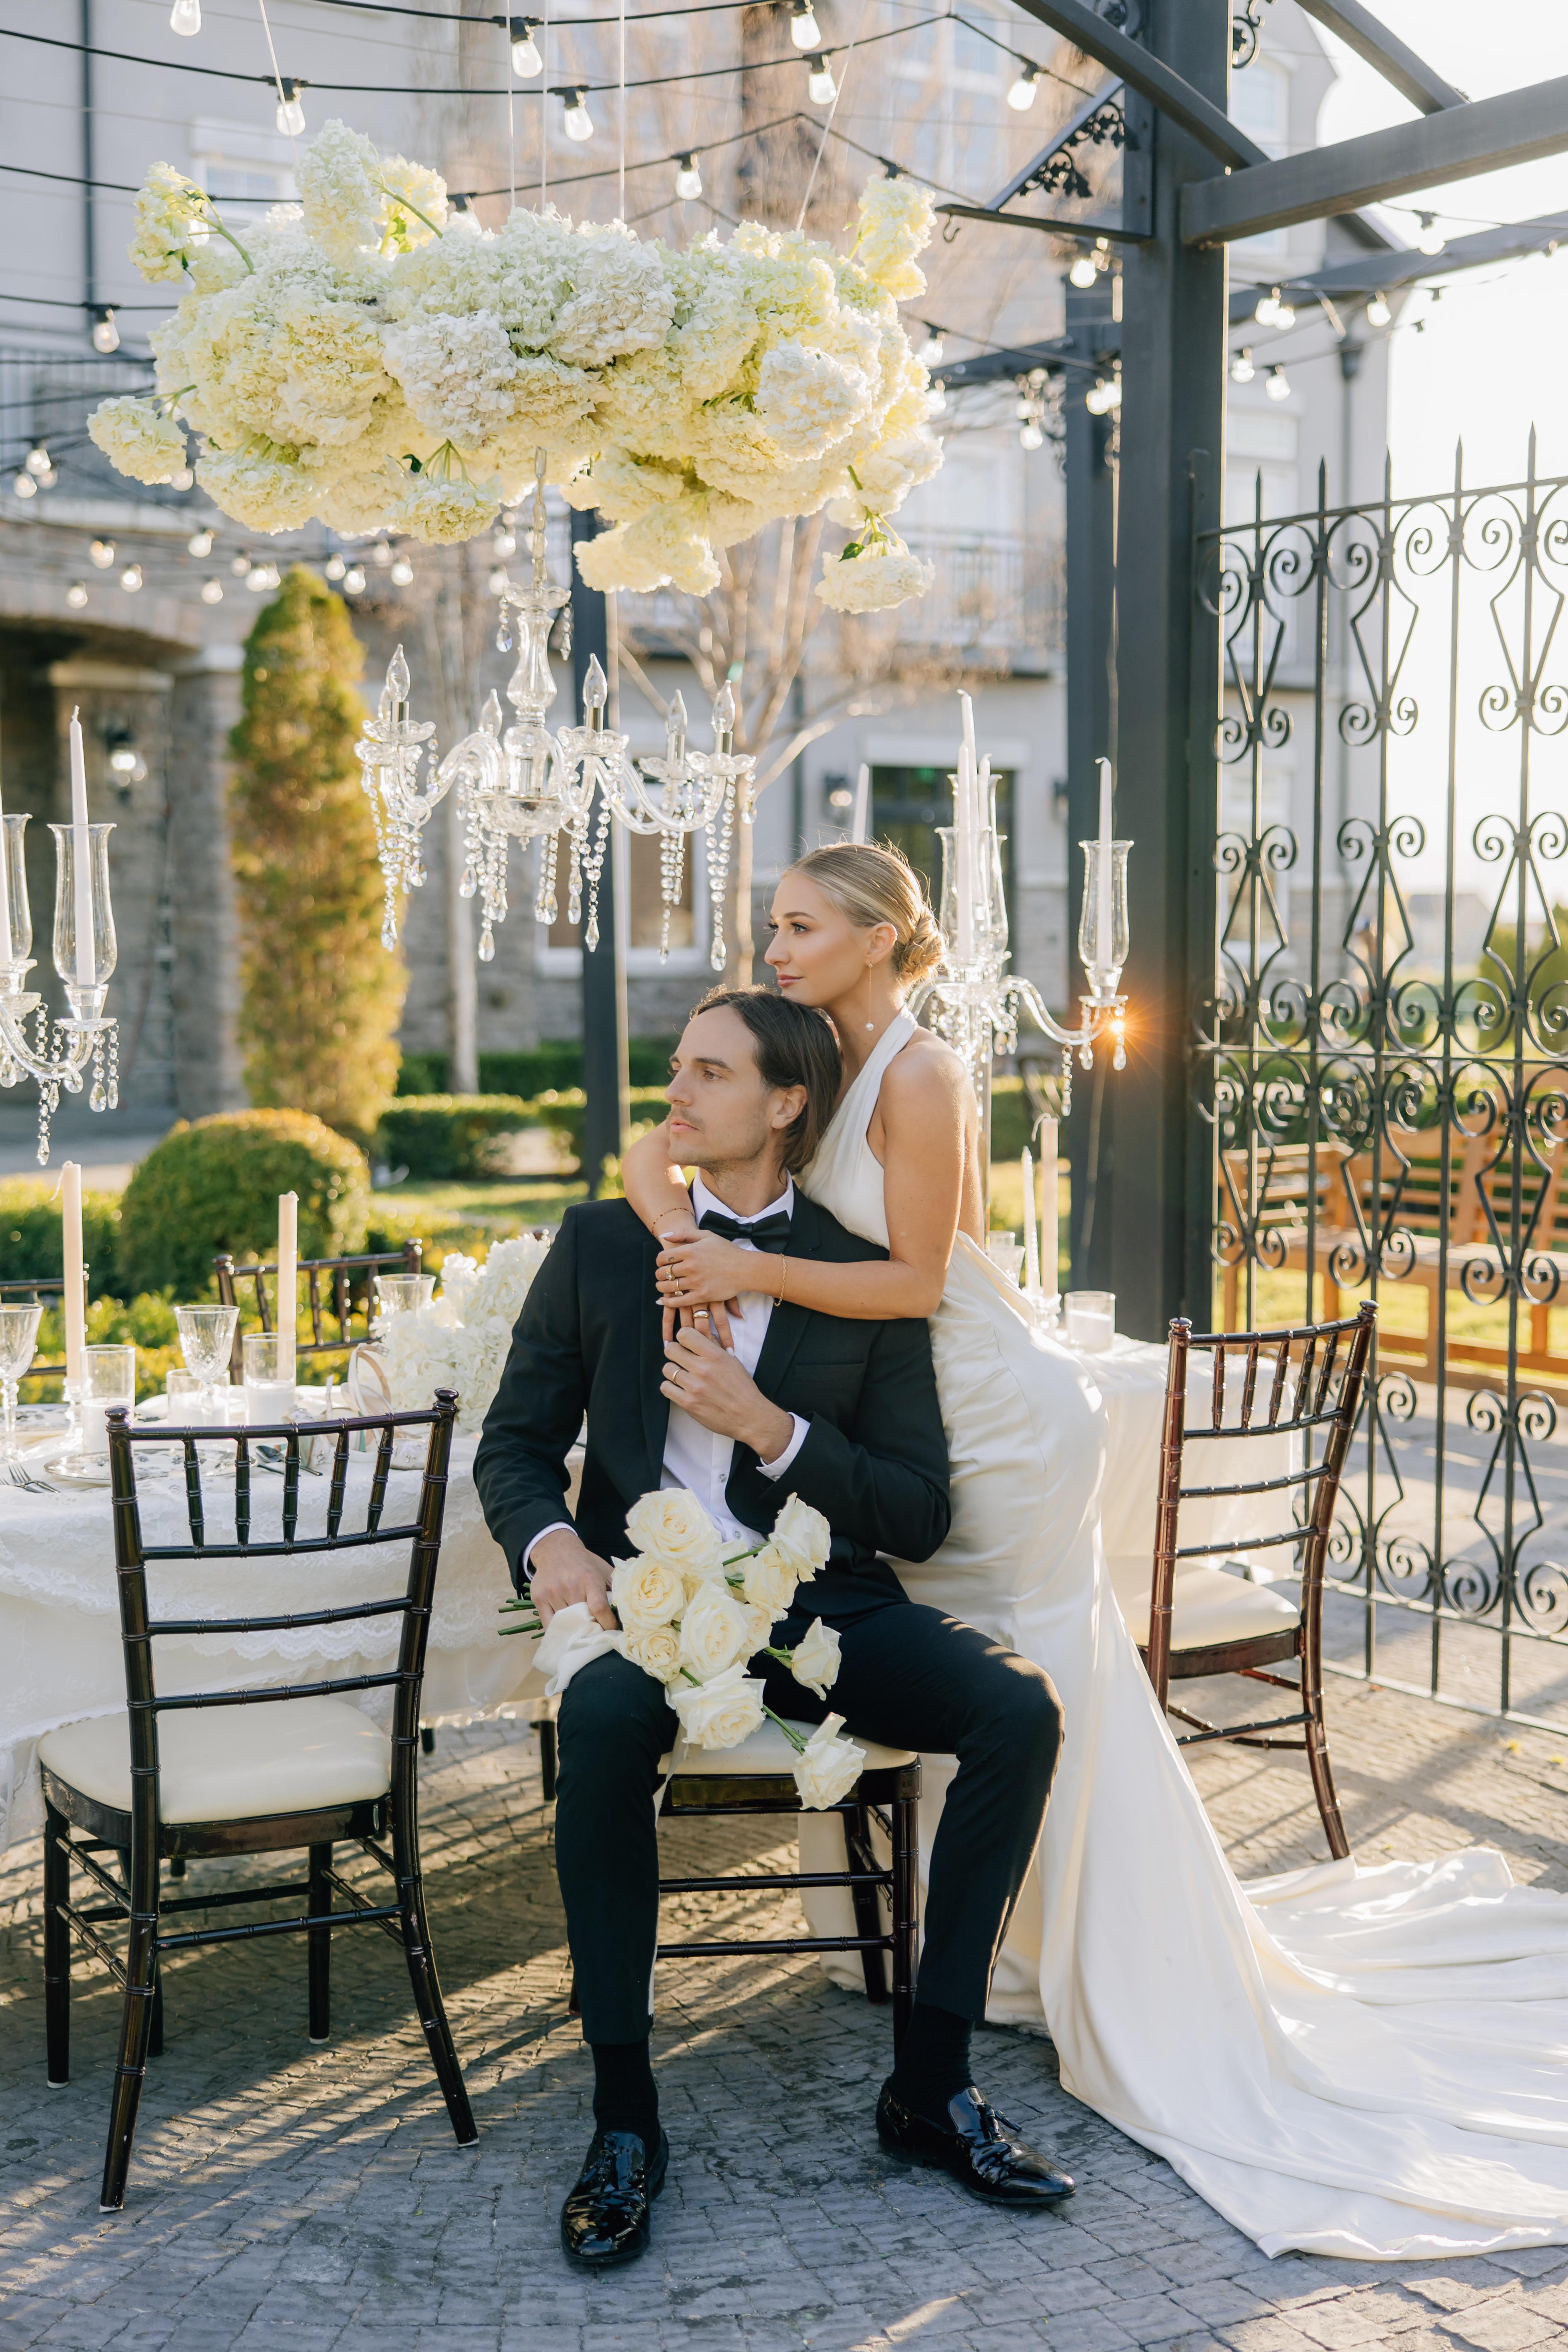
(368, 360)
(695, 1612)
(460, 1340)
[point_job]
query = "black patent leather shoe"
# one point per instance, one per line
(978, 2147)
(605, 2221)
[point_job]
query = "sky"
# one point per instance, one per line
(1493, 358)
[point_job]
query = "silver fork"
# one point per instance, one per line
(30, 1485)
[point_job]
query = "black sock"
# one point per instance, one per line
(933, 2063)
(624, 2098)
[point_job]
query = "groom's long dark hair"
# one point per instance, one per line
(795, 1048)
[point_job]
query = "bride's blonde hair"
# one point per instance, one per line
(870, 885)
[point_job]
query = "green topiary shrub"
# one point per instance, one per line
(30, 1242)
(322, 996)
(452, 1137)
(214, 1186)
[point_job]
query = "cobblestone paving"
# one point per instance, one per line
(287, 2196)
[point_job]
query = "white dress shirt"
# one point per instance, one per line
(699, 1459)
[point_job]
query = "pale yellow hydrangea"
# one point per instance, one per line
(137, 440)
(895, 222)
(874, 581)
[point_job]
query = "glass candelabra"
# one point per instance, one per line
(85, 954)
(526, 782)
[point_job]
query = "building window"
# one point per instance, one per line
(641, 910)
(908, 804)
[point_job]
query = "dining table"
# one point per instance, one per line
(60, 1654)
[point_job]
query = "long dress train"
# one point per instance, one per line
(1342, 2059)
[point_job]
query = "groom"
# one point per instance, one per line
(845, 1415)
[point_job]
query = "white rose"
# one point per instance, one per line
(761, 1625)
(647, 1593)
(657, 1652)
(771, 1577)
(715, 1632)
(829, 1768)
(804, 1535)
(674, 1524)
(720, 1712)
(814, 1661)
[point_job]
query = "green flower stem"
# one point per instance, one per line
(210, 213)
(796, 1743)
(394, 198)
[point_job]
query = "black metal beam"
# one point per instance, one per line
(1080, 232)
(605, 1074)
(1154, 1190)
(1483, 136)
(1386, 54)
(1147, 73)
(1375, 273)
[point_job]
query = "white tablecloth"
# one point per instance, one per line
(61, 1655)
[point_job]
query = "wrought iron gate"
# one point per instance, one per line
(1381, 1057)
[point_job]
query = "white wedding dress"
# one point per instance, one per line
(1347, 2060)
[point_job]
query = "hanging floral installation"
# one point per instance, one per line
(368, 360)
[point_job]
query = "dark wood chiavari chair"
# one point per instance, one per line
(1203, 1622)
(351, 1292)
(168, 1780)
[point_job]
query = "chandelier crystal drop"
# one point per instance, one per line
(526, 783)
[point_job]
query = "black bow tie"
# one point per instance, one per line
(769, 1234)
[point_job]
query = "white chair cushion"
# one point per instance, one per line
(767, 1750)
(1208, 1606)
(230, 1763)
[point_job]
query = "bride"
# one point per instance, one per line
(1365, 2062)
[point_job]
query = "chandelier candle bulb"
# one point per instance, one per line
(1031, 1238)
(287, 1275)
(81, 861)
(1050, 1238)
(1102, 949)
(74, 1302)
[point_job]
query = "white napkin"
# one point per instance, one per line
(573, 1640)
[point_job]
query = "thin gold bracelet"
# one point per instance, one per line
(783, 1280)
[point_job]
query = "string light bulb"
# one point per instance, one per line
(76, 594)
(504, 543)
(186, 16)
(526, 60)
(239, 565)
(105, 333)
(578, 121)
(1021, 92)
(131, 578)
(37, 460)
(380, 554)
(820, 83)
(1278, 384)
(291, 116)
(1284, 316)
(1083, 272)
(199, 544)
(100, 554)
(1032, 436)
(930, 351)
(497, 579)
(353, 579)
(688, 179)
(25, 486)
(803, 29)
(1431, 240)
(1378, 313)
(212, 592)
(181, 478)
(936, 399)
(334, 566)
(402, 572)
(1101, 397)
(1241, 368)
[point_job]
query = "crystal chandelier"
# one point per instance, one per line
(973, 1002)
(526, 783)
(85, 954)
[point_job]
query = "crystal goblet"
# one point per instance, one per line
(19, 1339)
(206, 1341)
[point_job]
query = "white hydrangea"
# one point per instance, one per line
(437, 509)
(168, 206)
(463, 1340)
(666, 547)
(895, 222)
(622, 301)
(263, 485)
(457, 373)
(414, 207)
(332, 352)
(137, 439)
(883, 480)
(340, 198)
(874, 581)
(807, 400)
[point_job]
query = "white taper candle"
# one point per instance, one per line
(859, 829)
(75, 1302)
(4, 896)
(1050, 1238)
(1102, 909)
(81, 863)
(964, 853)
(1031, 1238)
(288, 1272)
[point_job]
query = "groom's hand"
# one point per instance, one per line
(561, 1571)
(714, 1388)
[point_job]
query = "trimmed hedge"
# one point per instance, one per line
(30, 1241)
(451, 1138)
(553, 1066)
(214, 1186)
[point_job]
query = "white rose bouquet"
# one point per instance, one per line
(695, 1612)
(366, 359)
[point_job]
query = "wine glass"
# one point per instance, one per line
(19, 1339)
(206, 1341)
(402, 1294)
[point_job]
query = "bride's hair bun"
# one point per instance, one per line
(871, 884)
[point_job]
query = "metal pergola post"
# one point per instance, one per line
(1173, 424)
(605, 1079)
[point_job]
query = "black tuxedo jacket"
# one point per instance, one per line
(589, 1338)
